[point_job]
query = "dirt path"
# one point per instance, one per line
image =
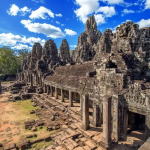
(12, 118)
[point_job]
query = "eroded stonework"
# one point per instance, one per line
(87, 42)
(107, 73)
(64, 52)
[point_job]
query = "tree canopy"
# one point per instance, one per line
(10, 60)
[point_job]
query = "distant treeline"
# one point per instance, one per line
(11, 60)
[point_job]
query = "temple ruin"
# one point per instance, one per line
(107, 78)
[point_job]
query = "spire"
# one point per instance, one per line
(91, 23)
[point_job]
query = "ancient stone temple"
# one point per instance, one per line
(107, 78)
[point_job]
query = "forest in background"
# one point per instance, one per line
(11, 60)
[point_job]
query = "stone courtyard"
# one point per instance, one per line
(100, 93)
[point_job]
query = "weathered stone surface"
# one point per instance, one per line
(64, 52)
(115, 80)
(87, 42)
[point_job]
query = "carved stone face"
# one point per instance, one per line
(40, 64)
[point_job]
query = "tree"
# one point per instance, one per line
(22, 54)
(10, 60)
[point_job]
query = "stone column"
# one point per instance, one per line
(115, 115)
(35, 79)
(48, 90)
(31, 80)
(45, 89)
(106, 121)
(81, 105)
(96, 115)
(56, 92)
(70, 99)
(19, 76)
(125, 122)
(51, 91)
(147, 127)
(85, 111)
(40, 80)
(62, 95)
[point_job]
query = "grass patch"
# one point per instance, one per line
(25, 107)
(41, 145)
(20, 112)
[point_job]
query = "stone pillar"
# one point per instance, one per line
(45, 89)
(125, 122)
(115, 115)
(96, 115)
(70, 99)
(51, 91)
(62, 95)
(35, 79)
(31, 80)
(40, 80)
(85, 112)
(48, 90)
(56, 92)
(19, 76)
(147, 127)
(106, 121)
(81, 105)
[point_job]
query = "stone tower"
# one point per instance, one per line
(87, 42)
(64, 52)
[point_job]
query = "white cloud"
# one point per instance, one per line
(107, 11)
(113, 1)
(58, 15)
(14, 10)
(74, 46)
(144, 23)
(18, 42)
(24, 10)
(86, 7)
(22, 46)
(127, 11)
(147, 4)
(99, 19)
(62, 24)
(39, 1)
(57, 22)
(47, 29)
(9, 39)
(33, 40)
(41, 13)
(70, 32)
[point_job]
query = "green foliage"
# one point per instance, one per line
(10, 60)
(22, 54)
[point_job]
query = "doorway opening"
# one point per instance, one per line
(136, 125)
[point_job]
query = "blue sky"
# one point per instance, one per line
(23, 22)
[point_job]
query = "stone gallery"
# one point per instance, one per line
(107, 77)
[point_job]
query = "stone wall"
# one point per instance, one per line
(111, 70)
